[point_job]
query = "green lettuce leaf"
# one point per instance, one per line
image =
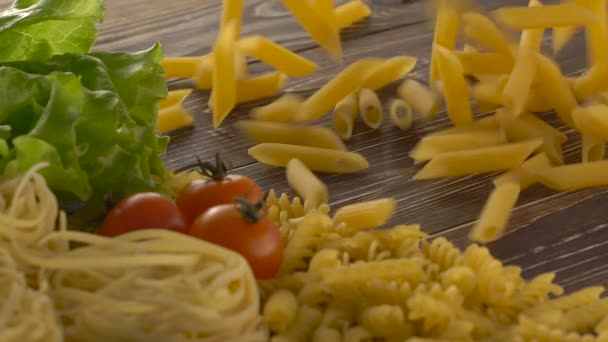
(39, 29)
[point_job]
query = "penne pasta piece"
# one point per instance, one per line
(276, 56)
(390, 70)
(282, 109)
(574, 176)
(294, 134)
(495, 214)
(322, 31)
(596, 32)
(479, 63)
(554, 88)
(365, 215)
(344, 116)
(316, 159)
(370, 108)
(345, 83)
(456, 89)
(562, 15)
(232, 11)
(592, 120)
(306, 184)
(591, 82)
(489, 123)
(561, 37)
(489, 92)
(528, 126)
(172, 118)
(523, 175)
(536, 103)
(423, 100)
(175, 97)
(350, 13)
(180, 67)
(259, 87)
(241, 66)
(223, 96)
(401, 114)
(433, 145)
(592, 149)
(203, 76)
(447, 21)
(481, 160)
(480, 29)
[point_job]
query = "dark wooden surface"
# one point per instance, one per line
(566, 233)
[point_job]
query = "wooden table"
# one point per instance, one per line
(566, 232)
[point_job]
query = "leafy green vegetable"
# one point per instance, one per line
(39, 29)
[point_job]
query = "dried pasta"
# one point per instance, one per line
(316, 159)
(480, 29)
(280, 310)
(457, 96)
(277, 56)
(561, 36)
(343, 117)
(436, 144)
(481, 160)
(390, 70)
(495, 214)
(591, 82)
(555, 88)
(281, 110)
(574, 176)
(350, 13)
(562, 15)
(370, 108)
(294, 134)
(224, 95)
(592, 149)
(232, 11)
(175, 97)
(447, 20)
(424, 101)
(484, 63)
(259, 87)
(364, 215)
(181, 67)
(173, 117)
(203, 73)
(401, 114)
(523, 175)
(306, 184)
(591, 120)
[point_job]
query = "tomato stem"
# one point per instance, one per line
(250, 211)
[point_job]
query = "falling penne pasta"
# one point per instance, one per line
(175, 97)
(574, 176)
(480, 63)
(366, 215)
(436, 144)
(592, 149)
(536, 103)
(561, 36)
(350, 13)
(489, 92)
(294, 134)
(480, 29)
(232, 11)
(401, 114)
(562, 15)
(345, 83)
(223, 97)
(326, 9)
(180, 67)
(424, 100)
(203, 75)
(447, 20)
(523, 175)
(596, 32)
(555, 88)
(259, 87)
(276, 56)
(172, 118)
(370, 108)
(344, 115)
(456, 89)
(390, 70)
(282, 109)
(481, 160)
(316, 159)
(592, 120)
(306, 184)
(591, 82)
(495, 213)
(489, 123)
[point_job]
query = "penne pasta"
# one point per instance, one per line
(523, 175)
(481, 160)
(446, 32)
(528, 126)
(203, 75)
(562, 15)
(172, 118)
(306, 184)
(591, 82)
(592, 149)
(561, 36)
(390, 70)
(175, 97)
(596, 32)
(456, 89)
(344, 116)
(574, 176)
(495, 214)
(536, 103)
(366, 215)
(282, 109)
(592, 120)
(554, 88)
(350, 13)
(322, 31)
(423, 100)
(223, 96)
(433, 145)
(232, 11)
(316, 159)
(479, 28)
(276, 56)
(479, 63)
(370, 108)
(489, 92)
(294, 134)
(401, 114)
(489, 123)
(345, 83)
(180, 67)
(259, 87)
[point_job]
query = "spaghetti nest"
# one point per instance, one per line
(152, 285)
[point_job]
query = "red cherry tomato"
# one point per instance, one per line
(221, 188)
(145, 210)
(239, 228)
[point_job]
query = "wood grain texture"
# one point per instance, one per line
(562, 232)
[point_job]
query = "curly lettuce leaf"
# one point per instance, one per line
(39, 29)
